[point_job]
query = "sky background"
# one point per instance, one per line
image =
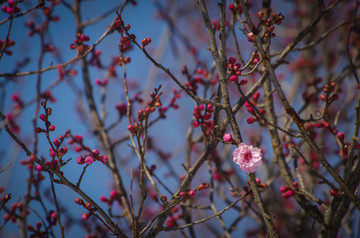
(170, 133)
(97, 181)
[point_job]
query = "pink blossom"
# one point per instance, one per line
(247, 157)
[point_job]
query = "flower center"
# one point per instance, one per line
(247, 156)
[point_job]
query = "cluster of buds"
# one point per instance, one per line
(6, 44)
(154, 196)
(122, 109)
(87, 206)
(62, 73)
(36, 231)
(101, 83)
(173, 219)
(30, 162)
(14, 127)
(11, 8)
(222, 175)
(310, 127)
(193, 83)
(329, 96)
(78, 139)
(202, 72)
(287, 191)
(191, 193)
(59, 151)
(172, 104)
(269, 23)
(19, 103)
(255, 58)
(132, 128)
(45, 118)
(79, 43)
(51, 164)
(343, 153)
(146, 41)
(33, 29)
(203, 119)
(6, 198)
(114, 196)
(52, 217)
(111, 72)
(151, 105)
(307, 95)
(95, 59)
(47, 95)
(234, 69)
(117, 26)
(48, 11)
(257, 114)
(123, 60)
(340, 136)
(216, 24)
(91, 158)
(258, 183)
(11, 215)
(143, 115)
(315, 162)
(165, 156)
(235, 8)
(125, 41)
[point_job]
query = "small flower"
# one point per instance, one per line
(247, 157)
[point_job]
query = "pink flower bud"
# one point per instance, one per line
(195, 124)
(333, 192)
(250, 120)
(53, 215)
(191, 193)
(243, 81)
(233, 78)
(113, 194)
(341, 136)
(79, 201)
(290, 193)
(85, 216)
(284, 189)
(52, 153)
(232, 60)
(89, 159)
(80, 160)
(39, 168)
(228, 138)
(95, 152)
(104, 159)
(43, 117)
